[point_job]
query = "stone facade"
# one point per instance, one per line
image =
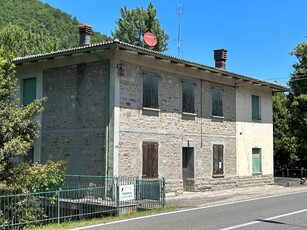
(73, 120)
(173, 129)
(73, 123)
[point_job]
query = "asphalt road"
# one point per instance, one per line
(287, 211)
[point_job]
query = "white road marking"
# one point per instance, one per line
(187, 210)
(259, 221)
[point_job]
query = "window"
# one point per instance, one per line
(256, 160)
(150, 90)
(218, 163)
(150, 159)
(255, 108)
(217, 101)
(188, 97)
(28, 91)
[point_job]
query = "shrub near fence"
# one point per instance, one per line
(81, 197)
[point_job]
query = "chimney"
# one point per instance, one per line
(85, 31)
(220, 57)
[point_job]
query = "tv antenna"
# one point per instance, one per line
(179, 38)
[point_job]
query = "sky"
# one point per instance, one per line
(258, 34)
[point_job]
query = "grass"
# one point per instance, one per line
(87, 222)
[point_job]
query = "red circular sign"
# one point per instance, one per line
(150, 39)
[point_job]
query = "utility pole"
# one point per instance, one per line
(179, 38)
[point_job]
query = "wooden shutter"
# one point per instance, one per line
(29, 91)
(150, 90)
(218, 159)
(188, 97)
(150, 159)
(146, 165)
(154, 159)
(255, 108)
(217, 101)
(256, 160)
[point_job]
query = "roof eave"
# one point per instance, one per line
(143, 51)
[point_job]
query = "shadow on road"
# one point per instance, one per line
(277, 222)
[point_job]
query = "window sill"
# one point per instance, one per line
(256, 120)
(218, 175)
(151, 109)
(189, 114)
(257, 173)
(218, 117)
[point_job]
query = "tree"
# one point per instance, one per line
(18, 130)
(22, 43)
(298, 102)
(135, 23)
(41, 18)
(284, 142)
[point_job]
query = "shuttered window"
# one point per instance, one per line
(28, 91)
(150, 90)
(188, 97)
(255, 108)
(256, 160)
(150, 160)
(217, 101)
(218, 159)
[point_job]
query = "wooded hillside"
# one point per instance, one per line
(38, 17)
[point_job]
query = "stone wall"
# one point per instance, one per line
(73, 120)
(173, 130)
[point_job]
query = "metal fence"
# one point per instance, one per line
(288, 172)
(81, 197)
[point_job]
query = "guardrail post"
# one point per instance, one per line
(117, 198)
(137, 190)
(163, 192)
(59, 208)
(282, 172)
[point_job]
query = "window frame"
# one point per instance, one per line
(256, 108)
(220, 106)
(220, 150)
(187, 87)
(259, 163)
(150, 97)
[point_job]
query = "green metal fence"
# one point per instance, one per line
(81, 197)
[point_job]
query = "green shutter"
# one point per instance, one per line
(188, 97)
(217, 101)
(256, 160)
(29, 91)
(255, 108)
(150, 90)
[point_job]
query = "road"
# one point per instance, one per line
(287, 211)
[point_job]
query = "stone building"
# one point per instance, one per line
(117, 109)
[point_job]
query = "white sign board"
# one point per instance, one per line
(126, 192)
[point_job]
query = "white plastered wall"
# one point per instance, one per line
(254, 134)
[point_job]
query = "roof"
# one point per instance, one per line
(143, 51)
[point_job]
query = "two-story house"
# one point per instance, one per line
(118, 109)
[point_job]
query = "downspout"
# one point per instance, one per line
(106, 64)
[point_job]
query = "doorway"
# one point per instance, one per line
(188, 168)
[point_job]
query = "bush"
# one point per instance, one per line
(20, 208)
